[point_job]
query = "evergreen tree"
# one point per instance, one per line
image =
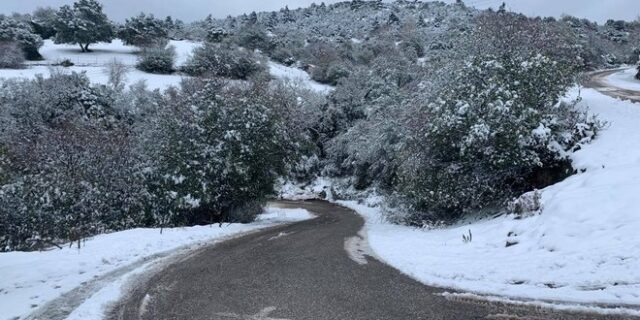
(20, 33)
(144, 31)
(83, 24)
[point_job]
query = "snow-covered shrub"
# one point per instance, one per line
(216, 149)
(43, 22)
(330, 74)
(245, 213)
(527, 204)
(253, 37)
(13, 31)
(4, 166)
(497, 131)
(11, 57)
(157, 60)
(76, 171)
(223, 61)
(144, 31)
(117, 73)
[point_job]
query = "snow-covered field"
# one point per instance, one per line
(93, 63)
(584, 248)
(625, 79)
(30, 280)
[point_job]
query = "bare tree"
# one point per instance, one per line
(117, 72)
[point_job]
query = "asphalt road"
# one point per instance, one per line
(597, 80)
(301, 271)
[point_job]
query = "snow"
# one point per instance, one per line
(297, 76)
(583, 249)
(97, 75)
(93, 63)
(102, 53)
(32, 279)
(625, 79)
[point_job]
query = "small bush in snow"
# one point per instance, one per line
(245, 213)
(64, 63)
(11, 57)
(157, 60)
(117, 73)
(223, 61)
(527, 204)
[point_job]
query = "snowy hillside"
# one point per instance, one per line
(32, 279)
(583, 248)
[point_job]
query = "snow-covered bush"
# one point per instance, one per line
(43, 22)
(76, 172)
(245, 213)
(83, 24)
(144, 31)
(11, 57)
(117, 73)
(217, 149)
(4, 166)
(495, 132)
(13, 31)
(527, 204)
(214, 60)
(157, 60)
(253, 37)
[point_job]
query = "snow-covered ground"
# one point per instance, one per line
(97, 75)
(584, 248)
(297, 76)
(625, 79)
(30, 280)
(93, 63)
(102, 53)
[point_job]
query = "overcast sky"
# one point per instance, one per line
(188, 10)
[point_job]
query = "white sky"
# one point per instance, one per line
(188, 10)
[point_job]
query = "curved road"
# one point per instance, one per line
(301, 271)
(598, 80)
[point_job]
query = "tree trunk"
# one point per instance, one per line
(81, 47)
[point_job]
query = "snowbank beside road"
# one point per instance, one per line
(584, 248)
(31, 279)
